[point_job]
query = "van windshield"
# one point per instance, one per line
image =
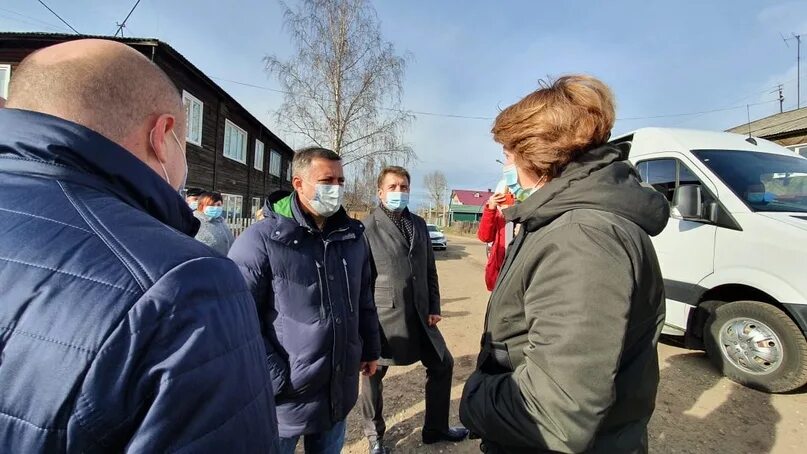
(764, 181)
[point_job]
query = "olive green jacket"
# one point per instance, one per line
(569, 359)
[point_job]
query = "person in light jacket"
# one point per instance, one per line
(568, 361)
(213, 229)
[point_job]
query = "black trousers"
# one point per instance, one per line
(438, 394)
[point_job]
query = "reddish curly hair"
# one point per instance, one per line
(555, 124)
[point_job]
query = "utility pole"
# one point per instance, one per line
(445, 209)
(781, 97)
(798, 66)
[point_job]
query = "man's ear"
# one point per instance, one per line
(158, 137)
(297, 183)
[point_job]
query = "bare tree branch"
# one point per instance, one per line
(437, 185)
(344, 83)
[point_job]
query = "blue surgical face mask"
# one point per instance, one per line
(396, 201)
(511, 179)
(759, 197)
(194, 205)
(327, 199)
(213, 212)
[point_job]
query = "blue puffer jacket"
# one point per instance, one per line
(118, 331)
(314, 288)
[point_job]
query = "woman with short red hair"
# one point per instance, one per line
(213, 228)
(569, 358)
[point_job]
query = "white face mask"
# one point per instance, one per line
(181, 189)
(327, 199)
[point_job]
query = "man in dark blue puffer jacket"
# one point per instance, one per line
(307, 264)
(118, 331)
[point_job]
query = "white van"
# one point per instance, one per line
(734, 253)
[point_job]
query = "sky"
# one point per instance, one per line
(665, 61)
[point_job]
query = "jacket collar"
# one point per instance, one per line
(45, 146)
(292, 230)
(385, 222)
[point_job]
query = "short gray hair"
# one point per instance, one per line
(303, 158)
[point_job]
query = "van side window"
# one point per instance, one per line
(666, 175)
(660, 174)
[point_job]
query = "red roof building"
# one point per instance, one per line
(468, 197)
(466, 205)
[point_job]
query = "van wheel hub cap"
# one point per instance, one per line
(751, 346)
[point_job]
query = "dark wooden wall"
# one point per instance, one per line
(208, 168)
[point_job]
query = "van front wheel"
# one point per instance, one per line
(757, 345)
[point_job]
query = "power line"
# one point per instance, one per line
(36, 23)
(123, 24)
(392, 109)
(58, 16)
(697, 113)
(473, 117)
(32, 24)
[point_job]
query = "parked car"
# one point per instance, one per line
(732, 255)
(438, 238)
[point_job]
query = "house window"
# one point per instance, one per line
(5, 77)
(193, 116)
(288, 171)
(256, 205)
(232, 206)
(258, 155)
(235, 142)
(274, 163)
(800, 149)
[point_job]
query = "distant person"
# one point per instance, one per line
(568, 360)
(407, 295)
(115, 337)
(192, 197)
(492, 230)
(307, 266)
(213, 230)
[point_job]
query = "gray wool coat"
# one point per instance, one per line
(214, 233)
(406, 289)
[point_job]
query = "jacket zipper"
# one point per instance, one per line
(321, 293)
(347, 284)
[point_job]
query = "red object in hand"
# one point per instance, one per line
(509, 199)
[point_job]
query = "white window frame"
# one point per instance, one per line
(258, 163)
(288, 171)
(255, 205)
(800, 149)
(275, 163)
(243, 158)
(193, 100)
(4, 83)
(228, 199)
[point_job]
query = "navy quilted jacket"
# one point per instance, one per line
(118, 331)
(315, 300)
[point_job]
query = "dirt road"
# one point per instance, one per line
(697, 410)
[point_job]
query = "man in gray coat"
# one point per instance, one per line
(407, 296)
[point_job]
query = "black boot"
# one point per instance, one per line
(453, 434)
(377, 447)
